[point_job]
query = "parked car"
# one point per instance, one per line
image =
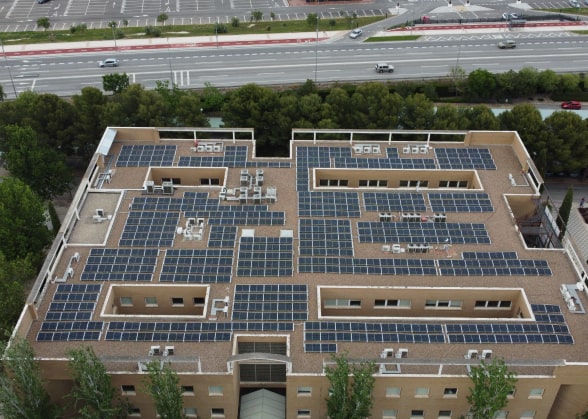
(510, 16)
(574, 3)
(109, 62)
(42, 1)
(571, 104)
(355, 33)
(507, 43)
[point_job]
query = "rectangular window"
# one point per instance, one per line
(363, 183)
(493, 304)
(403, 183)
(392, 391)
(128, 390)
(536, 393)
(341, 302)
(177, 301)
(511, 394)
(304, 391)
(215, 390)
(126, 301)
(444, 414)
(187, 390)
(198, 301)
(443, 303)
(389, 414)
(190, 412)
(151, 301)
(417, 414)
(135, 412)
(528, 414)
(450, 392)
(303, 413)
(218, 412)
(392, 303)
(421, 392)
(323, 182)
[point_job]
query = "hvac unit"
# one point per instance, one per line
(169, 351)
(150, 187)
(486, 354)
(472, 354)
(100, 212)
(168, 188)
(402, 353)
(387, 353)
(154, 351)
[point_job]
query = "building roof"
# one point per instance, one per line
(431, 243)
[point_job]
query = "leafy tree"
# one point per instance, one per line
(569, 83)
(23, 228)
(418, 112)
(115, 82)
(162, 18)
(212, 98)
(55, 222)
(164, 386)
(43, 22)
(22, 394)
(235, 22)
(481, 84)
(373, 106)
(448, 117)
(480, 117)
(2, 94)
(89, 106)
(256, 15)
(567, 142)
(458, 76)
(527, 81)
(350, 398)
(548, 82)
(564, 211)
(93, 395)
(13, 274)
(40, 167)
(112, 24)
(312, 19)
(492, 382)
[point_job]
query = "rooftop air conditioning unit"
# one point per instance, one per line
(168, 188)
(387, 353)
(141, 366)
(76, 257)
(154, 351)
(150, 186)
(70, 272)
(402, 353)
(472, 354)
(169, 351)
(100, 212)
(487, 354)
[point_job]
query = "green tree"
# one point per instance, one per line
(2, 94)
(491, 384)
(481, 84)
(458, 77)
(448, 117)
(256, 15)
(89, 106)
(43, 22)
(235, 22)
(569, 83)
(418, 112)
(162, 18)
(373, 106)
(312, 19)
(564, 212)
(93, 395)
(22, 393)
(23, 228)
(13, 275)
(164, 386)
(567, 142)
(547, 82)
(480, 117)
(40, 167)
(115, 82)
(350, 395)
(212, 98)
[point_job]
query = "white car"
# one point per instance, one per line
(355, 33)
(109, 62)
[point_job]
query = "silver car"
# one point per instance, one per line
(109, 62)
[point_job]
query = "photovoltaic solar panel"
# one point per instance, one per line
(197, 266)
(146, 155)
(270, 302)
(460, 202)
(265, 256)
(328, 204)
(464, 158)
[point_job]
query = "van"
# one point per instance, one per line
(382, 67)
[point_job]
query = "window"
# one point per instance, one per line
(528, 414)
(443, 414)
(421, 392)
(174, 180)
(492, 304)
(392, 391)
(126, 301)
(333, 182)
(151, 301)
(392, 303)
(218, 412)
(417, 414)
(341, 302)
(536, 393)
(205, 181)
(190, 412)
(443, 304)
(198, 301)
(303, 413)
(128, 390)
(413, 183)
(450, 392)
(304, 391)
(511, 394)
(501, 414)
(177, 301)
(373, 183)
(134, 411)
(187, 390)
(389, 414)
(453, 183)
(215, 390)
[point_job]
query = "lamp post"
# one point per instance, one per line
(9, 70)
(113, 25)
(316, 50)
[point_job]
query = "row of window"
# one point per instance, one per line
(129, 390)
(383, 183)
(152, 301)
(406, 303)
(420, 414)
(189, 412)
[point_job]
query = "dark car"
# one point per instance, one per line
(571, 104)
(42, 1)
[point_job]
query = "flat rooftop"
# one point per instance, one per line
(436, 243)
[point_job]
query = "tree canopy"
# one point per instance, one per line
(164, 386)
(492, 382)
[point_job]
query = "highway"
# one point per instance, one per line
(332, 61)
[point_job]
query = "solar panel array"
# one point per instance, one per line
(222, 236)
(460, 202)
(265, 256)
(494, 267)
(188, 202)
(373, 332)
(394, 201)
(465, 158)
(365, 266)
(70, 312)
(315, 157)
(105, 264)
(233, 156)
(146, 155)
(270, 302)
(150, 229)
(236, 217)
(422, 233)
(328, 204)
(384, 163)
(322, 237)
(197, 265)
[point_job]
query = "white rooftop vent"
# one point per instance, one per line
(472, 354)
(154, 351)
(169, 351)
(387, 353)
(402, 353)
(487, 354)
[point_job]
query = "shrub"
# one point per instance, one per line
(220, 28)
(152, 31)
(235, 22)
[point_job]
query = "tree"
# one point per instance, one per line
(43, 22)
(93, 394)
(13, 275)
(2, 94)
(22, 394)
(115, 82)
(42, 168)
(312, 19)
(162, 18)
(350, 398)
(164, 386)
(212, 98)
(492, 383)
(89, 126)
(458, 76)
(256, 15)
(564, 211)
(481, 84)
(23, 226)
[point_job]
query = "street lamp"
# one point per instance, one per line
(316, 49)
